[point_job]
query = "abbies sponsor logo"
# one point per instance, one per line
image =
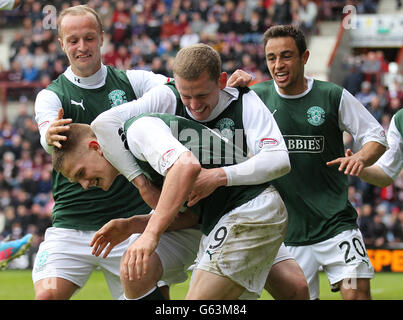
(304, 144)
(267, 142)
(167, 157)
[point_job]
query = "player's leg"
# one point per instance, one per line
(306, 260)
(350, 269)
(62, 264)
(252, 232)
(361, 292)
(140, 288)
(209, 286)
(169, 263)
(54, 289)
(286, 280)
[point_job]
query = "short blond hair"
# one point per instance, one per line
(78, 11)
(192, 61)
(77, 135)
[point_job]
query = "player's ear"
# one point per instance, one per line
(93, 144)
(61, 43)
(223, 80)
(305, 56)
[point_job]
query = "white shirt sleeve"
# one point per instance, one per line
(151, 140)
(47, 105)
(106, 126)
(391, 162)
(358, 121)
(6, 4)
(143, 81)
(264, 141)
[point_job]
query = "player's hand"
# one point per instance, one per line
(135, 261)
(206, 182)
(239, 78)
(110, 235)
(56, 128)
(352, 164)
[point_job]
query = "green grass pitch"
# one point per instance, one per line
(17, 285)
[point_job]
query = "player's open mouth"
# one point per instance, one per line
(281, 76)
(200, 110)
(83, 56)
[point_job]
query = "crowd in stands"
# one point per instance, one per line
(146, 35)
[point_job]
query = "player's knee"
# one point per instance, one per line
(45, 295)
(302, 290)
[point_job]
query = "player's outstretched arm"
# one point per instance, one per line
(118, 230)
(373, 174)
(355, 163)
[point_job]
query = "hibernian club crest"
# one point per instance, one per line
(316, 115)
(117, 97)
(226, 127)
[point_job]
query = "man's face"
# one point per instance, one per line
(89, 168)
(200, 96)
(82, 40)
(286, 65)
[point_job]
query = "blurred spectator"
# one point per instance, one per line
(365, 221)
(105, 11)
(30, 73)
(211, 29)
(123, 58)
(307, 13)
(397, 227)
(15, 73)
(378, 231)
(23, 56)
(181, 24)
(372, 68)
(366, 93)
(282, 12)
(110, 56)
(157, 66)
(188, 38)
(375, 109)
(168, 28)
(120, 23)
(197, 24)
(353, 80)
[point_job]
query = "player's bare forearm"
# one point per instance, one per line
(371, 152)
(178, 183)
(376, 176)
(149, 192)
(353, 164)
(206, 183)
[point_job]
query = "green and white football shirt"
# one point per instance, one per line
(312, 124)
(82, 99)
